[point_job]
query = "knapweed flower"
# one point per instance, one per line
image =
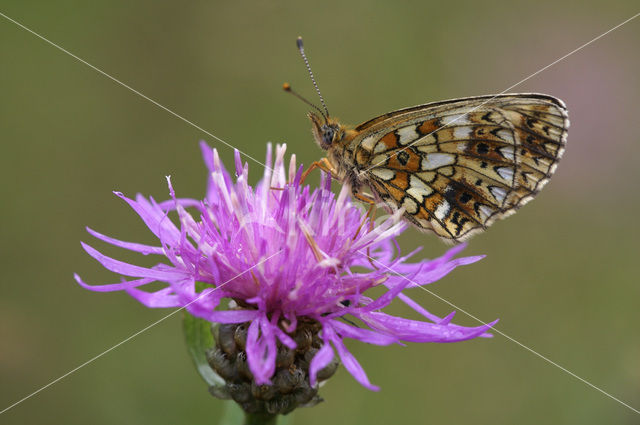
(295, 264)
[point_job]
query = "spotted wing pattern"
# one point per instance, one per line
(457, 166)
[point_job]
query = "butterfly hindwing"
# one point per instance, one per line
(457, 166)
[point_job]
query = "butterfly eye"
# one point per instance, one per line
(328, 133)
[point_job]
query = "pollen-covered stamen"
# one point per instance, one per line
(317, 252)
(255, 279)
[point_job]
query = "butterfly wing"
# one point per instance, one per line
(457, 166)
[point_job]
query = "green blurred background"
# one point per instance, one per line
(562, 274)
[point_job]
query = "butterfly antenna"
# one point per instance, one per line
(287, 87)
(313, 80)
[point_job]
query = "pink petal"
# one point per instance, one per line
(348, 360)
(232, 316)
(261, 350)
(163, 298)
(322, 358)
(417, 331)
(144, 249)
(364, 335)
(155, 219)
(113, 286)
(129, 269)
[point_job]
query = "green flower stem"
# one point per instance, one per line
(260, 419)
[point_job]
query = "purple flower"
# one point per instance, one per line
(282, 252)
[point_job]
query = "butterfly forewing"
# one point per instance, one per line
(457, 166)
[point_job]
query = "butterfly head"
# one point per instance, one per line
(326, 132)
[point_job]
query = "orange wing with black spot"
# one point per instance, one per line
(459, 165)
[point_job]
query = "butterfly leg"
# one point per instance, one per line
(370, 212)
(371, 215)
(323, 164)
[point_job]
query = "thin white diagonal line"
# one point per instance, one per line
(532, 351)
(505, 90)
(135, 335)
(264, 165)
(133, 90)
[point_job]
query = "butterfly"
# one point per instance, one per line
(454, 166)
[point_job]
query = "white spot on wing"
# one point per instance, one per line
(418, 193)
(407, 134)
(410, 205)
(417, 183)
(418, 189)
(368, 142)
(437, 160)
(506, 173)
(505, 135)
(381, 147)
(460, 119)
(508, 153)
(461, 133)
(383, 173)
(442, 210)
(498, 193)
(485, 212)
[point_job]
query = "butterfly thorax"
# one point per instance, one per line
(335, 138)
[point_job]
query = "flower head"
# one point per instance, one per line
(287, 256)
